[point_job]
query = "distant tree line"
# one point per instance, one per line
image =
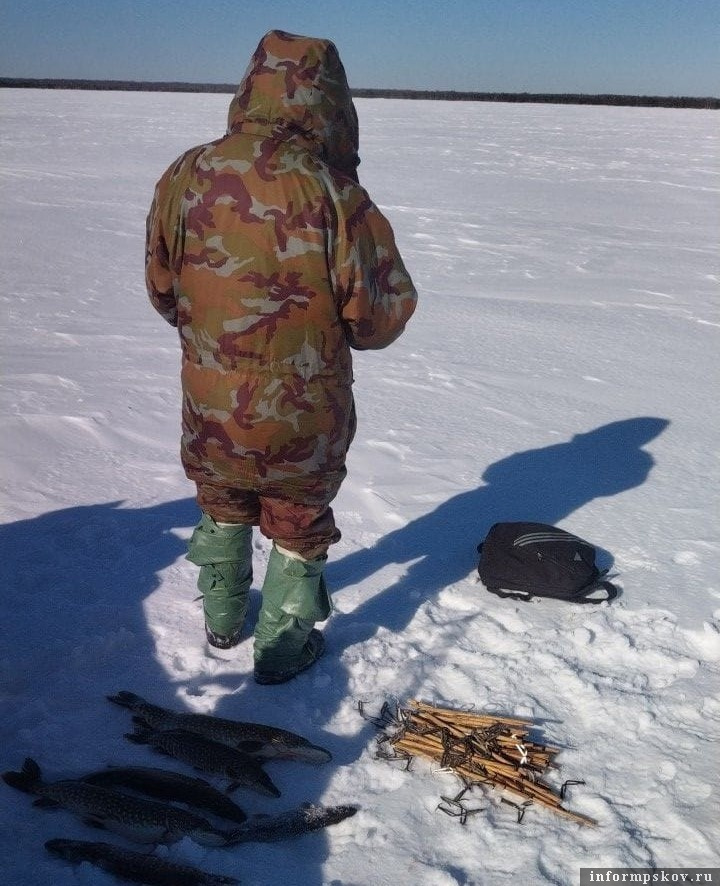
(636, 101)
(120, 85)
(644, 101)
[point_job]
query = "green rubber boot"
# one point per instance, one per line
(224, 555)
(294, 597)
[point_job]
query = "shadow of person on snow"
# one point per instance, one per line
(74, 582)
(544, 485)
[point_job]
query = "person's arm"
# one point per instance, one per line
(158, 273)
(375, 292)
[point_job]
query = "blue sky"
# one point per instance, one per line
(652, 47)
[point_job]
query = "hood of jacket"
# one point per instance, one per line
(295, 88)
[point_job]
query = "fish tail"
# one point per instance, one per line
(126, 699)
(269, 788)
(27, 779)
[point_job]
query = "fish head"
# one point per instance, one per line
(253, 748)
(316, 816)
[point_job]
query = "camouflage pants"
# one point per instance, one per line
(298, 518)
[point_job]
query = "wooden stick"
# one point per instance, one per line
(539, 793)
(468, 718)
(487, 750)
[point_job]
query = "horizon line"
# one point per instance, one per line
(703, 102)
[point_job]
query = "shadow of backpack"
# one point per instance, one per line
(525, 560)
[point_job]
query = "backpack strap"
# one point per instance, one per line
(610, 589)
(510, 594)
(608, 586)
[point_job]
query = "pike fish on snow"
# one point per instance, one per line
(561, 367)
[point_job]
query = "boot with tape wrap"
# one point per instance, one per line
(294, 597)
(224, 554)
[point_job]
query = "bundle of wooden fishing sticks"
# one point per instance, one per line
(480, 749)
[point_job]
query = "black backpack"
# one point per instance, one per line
(535, 559)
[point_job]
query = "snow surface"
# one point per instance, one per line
(562, 366)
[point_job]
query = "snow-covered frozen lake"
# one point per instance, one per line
(562, 367)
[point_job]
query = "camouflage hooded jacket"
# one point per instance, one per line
(273, 262)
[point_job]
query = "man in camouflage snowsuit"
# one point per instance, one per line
(273, 262)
